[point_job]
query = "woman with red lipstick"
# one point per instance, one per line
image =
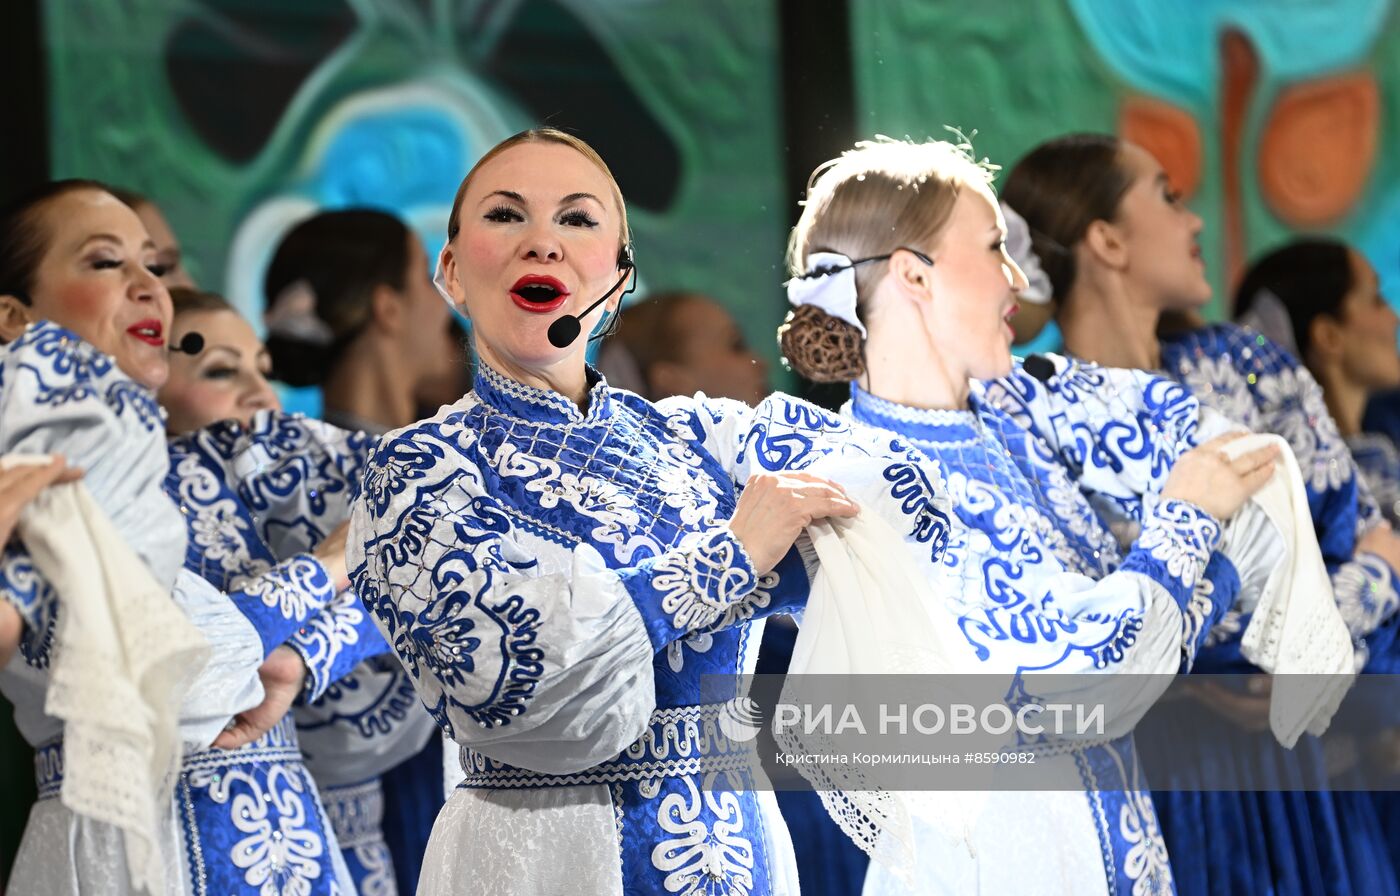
(1121, 251)
(557, 563)
(245, 812)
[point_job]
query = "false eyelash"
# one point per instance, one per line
(578, 215)
(500, 213)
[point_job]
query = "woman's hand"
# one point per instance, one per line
(1384, 543)
(283, 673)
(1206, 477)
(331, 553)
(21, 483)
(776, 507)
(10, 629)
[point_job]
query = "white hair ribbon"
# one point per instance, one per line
(293, 315)
(829, 284)
(1018, 245)
(1268, 315)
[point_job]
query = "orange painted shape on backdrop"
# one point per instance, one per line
(1169, 133)
(1316, 150)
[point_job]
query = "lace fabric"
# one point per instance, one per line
(123, 659)
(869, 613)
(1297, 632)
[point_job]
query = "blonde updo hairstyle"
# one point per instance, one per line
(881, 196)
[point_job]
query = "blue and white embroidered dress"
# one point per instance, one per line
(1254, 382)
(557, 581)
(1288, 841)
(274, 490)
(1015, 462)
(241, 821)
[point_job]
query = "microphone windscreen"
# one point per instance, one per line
(1040, 367)
(191, 344)
(564, 331)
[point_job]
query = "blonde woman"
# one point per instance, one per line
(904, 289)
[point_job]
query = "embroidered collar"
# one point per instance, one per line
(918, 424)
(541, 405)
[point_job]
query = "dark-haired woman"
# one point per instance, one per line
(1121, 250)
(244, 814)
(1321, 301)
(686, 342)
(351, 309)
(222, 410)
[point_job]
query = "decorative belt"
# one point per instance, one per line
(279, 744)
(356, 812)
(681, 741)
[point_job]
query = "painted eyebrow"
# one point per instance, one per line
(1162, 178)
(571, 198)
(109, 238)
(508, 194)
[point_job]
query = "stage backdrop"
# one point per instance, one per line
(1274, 116)
(240, 117)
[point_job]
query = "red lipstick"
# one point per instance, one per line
(149, 331)
(539, 293)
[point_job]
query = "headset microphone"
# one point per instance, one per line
(1039, 366)
(190, 344)
(565, 330)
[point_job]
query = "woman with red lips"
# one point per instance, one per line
(72, 256)
(557, 563)
(1122, 251)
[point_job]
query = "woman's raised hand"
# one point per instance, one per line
(331, 553)
(1384, 543)
(21, 483)
(1207, 477)
(775, 507)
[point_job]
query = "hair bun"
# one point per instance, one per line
(297, 362)
(821, 347)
